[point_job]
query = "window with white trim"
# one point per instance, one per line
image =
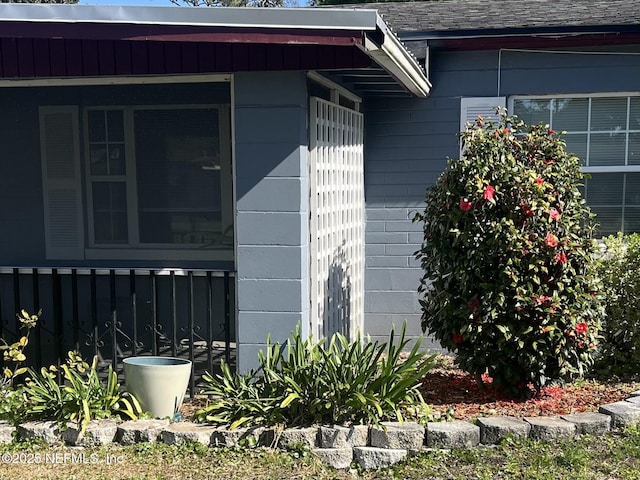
(604, 131)
(144, 182)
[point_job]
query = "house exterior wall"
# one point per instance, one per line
(407, 143)
(272, 217)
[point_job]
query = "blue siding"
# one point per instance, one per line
(408, 141)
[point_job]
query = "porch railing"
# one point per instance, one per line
(116, 313)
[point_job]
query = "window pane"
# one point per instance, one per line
(178, 176)
(607, 149)
(110, 212)
(634, 114)
(632, 189)
(604, 189)
(115, 125)
(609, 218)
(98, 154)
(609, 114)
(631, 219)
(117, 163)
(634, 149)
(577, 145)
(570, 114)
(532, 112)
(97, 126)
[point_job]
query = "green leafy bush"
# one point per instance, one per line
(13, 354)
(306, 381)
(80, 398)
(618, 267)
(509, 283)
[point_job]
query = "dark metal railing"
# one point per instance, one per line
(116, 313)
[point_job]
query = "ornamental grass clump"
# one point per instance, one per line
(509, 282)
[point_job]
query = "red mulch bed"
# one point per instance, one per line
(450, 390)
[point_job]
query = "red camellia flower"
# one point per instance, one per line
(551, 240)
(551, 132)
(465, 205)
(581, 328)
(554, 214)
(457, 338)
(539, 181)
(542, 299)
(561, 258)
(488, 193)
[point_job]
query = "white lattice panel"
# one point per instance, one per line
(336, 187)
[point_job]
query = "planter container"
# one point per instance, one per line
(159, 383)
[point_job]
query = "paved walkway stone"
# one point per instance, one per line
(48, 432)
(6, 432)
(183, 432)
(339, 436)
(590, 423)
(335, 457)
(373, 457)
(456, 434)
(98, 432)
(634, 400)
(138, 431)
(623, 414)
(495, 429)
(550, 428)
(395, 435)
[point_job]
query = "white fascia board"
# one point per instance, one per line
(247, 17)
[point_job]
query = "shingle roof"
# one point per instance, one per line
(477, 15)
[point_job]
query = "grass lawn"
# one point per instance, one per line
(614, 456)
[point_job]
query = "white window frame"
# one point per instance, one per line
(587, 168)
(134, 249)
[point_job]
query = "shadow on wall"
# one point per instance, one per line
(336, 317)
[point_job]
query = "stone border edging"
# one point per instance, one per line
(338, 446)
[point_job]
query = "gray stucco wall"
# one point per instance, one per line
(407, 143)
(272, 209)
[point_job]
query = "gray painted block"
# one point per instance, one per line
(386, 237)
(403, 226)
(391, 302)
(396, 279)
(270, 295)
(270, 228)
(371, 457)
(277, 124)
(623, 414)
(250, 436)
(256, 325)
(98, 432)
(406, 250)
(495, 429)
(279, 194)
(456, 434)
(132, 432)
(339, 458)
(339, 436)
(550, 428)
(386, 213)
(6, 432)
(590, 423)
(48, 431)
(373, 226)
(184, 432)
(267, 261)
(285, 161)
(294, 437)
(395, 435)
(382, 261)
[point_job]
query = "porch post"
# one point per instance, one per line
(271, 186)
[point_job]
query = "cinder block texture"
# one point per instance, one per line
(6, 432)
(131, 432)
(456, 434)
(589, 423)
(495, 429)
(394, 435)
(294, 437)
(550, 428)
(339, 436)
(98, 432)
(335, 457)
(372, 457)
(45, 431)
(184, 432)
(623, 414)
(222, 437)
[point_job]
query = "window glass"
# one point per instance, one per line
(570, 114)
(609, 114)
(634, 149)
(178, 176)
(577, 145)
(110, 212)
(605, 189)
(532, 112)
(634, 113)
(607, 148)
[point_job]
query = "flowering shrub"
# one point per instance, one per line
(507, 257)
(618, 267)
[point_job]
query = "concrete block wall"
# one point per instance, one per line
(270, 118)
